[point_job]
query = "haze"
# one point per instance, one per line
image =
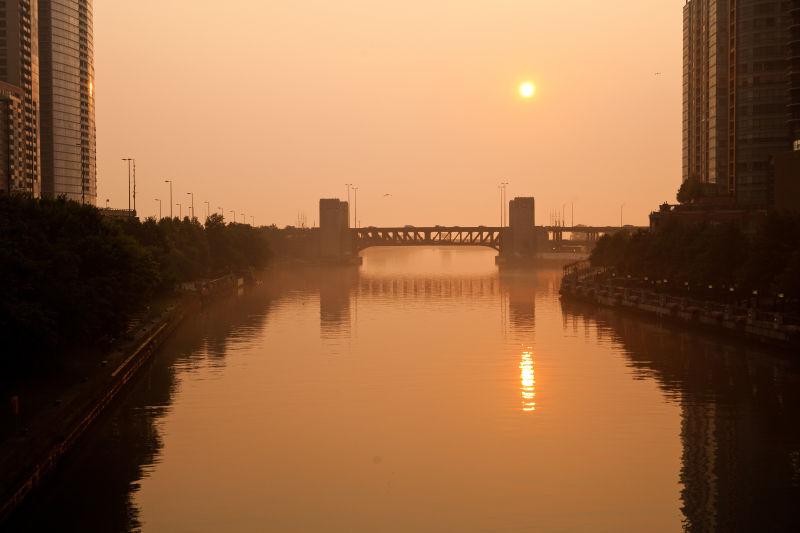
(265, 107)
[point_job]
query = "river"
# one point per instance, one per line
(427, 392)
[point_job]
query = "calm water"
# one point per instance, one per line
(429, 393)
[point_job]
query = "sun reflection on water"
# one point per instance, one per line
(528, 381)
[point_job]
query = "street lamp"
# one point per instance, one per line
(180, 211)
(502, 188)
(129, 160)
(252, 221)
(348, 185)
(620, 214)
(159, 208)
(234, 215)
(221, 213)
(208, 211)
(106, 203)
(192, 195)
(244, 218)
(170, 197)
(355, 206)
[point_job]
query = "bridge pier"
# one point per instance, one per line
(335, 238)
(518, 243)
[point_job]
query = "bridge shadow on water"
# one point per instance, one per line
(739, 419)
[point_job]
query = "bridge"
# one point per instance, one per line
(519, 242)
(438, 235)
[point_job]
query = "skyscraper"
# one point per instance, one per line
(19, 97)
(67, 93)
(736, 94)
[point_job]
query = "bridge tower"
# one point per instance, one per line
(519, 238)
(335, 244)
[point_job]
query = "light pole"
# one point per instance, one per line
(180, 211)
(505, 203)
(252, 221)
(348, 185)
(192, 195)
(129, 161)
(134, 185)
(106, 203)
(502, 188)
(234, 215)
(159, 208)
(170, 197)
(620, 214)
(208, 210)
(563, 214)
(244, 218)
(221, 213)
(355, 206)
(573, 213)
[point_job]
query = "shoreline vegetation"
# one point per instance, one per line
(75, 278)
(755, 265)
(738, 279)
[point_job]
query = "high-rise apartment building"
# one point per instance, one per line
(19, 97)
(741, 80)
(67, 93)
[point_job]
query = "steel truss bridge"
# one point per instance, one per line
(428, 236)
(490, 237)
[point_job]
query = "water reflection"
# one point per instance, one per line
(431, 417)
(739, 413)
(528, 380)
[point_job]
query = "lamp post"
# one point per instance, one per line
(502, 187)
(234, 215)
(620, 214)
(180, 211)
(221, 212)
(129, 161)
(244, 218)
(348, 185)
(106, 203)
(208, 210)
(170, 197)
(252, 221)
(563, 215)
(192, 195)
(159, 208)
(355, 206)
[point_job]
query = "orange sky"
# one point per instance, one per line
(266, 106)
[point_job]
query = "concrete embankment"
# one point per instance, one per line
(746, 323)
(28, 455)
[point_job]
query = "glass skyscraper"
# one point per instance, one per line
(68, 145)
(737, 82)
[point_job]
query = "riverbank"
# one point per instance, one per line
(591, 285)
(39, 440)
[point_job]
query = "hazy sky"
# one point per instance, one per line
(266, 106)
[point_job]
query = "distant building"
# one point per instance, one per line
(69, 163)
(741, 93)
(19, 91)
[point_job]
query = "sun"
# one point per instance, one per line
(527, 89)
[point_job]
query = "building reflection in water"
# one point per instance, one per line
(739, 420)
(520, 289)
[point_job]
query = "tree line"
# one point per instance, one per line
(761, 256)
(73, 276)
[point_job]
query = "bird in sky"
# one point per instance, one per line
(387, 194)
